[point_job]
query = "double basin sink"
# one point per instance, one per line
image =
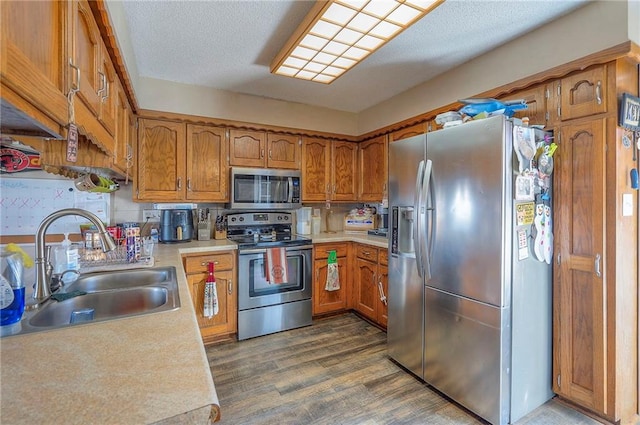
(108, 295)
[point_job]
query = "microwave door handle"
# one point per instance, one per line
(417, 221)
(290, 190)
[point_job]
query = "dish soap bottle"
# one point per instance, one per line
(11, 288)
(66, 258)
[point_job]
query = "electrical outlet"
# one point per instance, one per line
(151, 215)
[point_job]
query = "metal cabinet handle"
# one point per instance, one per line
(367, 253)
(334, 189)
(270, 155)
(598, 94)
(103, 83)
(179, 182)
(230, 287)
(328, 187)
(383, 298)
(106, 91)
(77, 69)
(261, 153)
(189, 184)
(206, 263)
(597, 265)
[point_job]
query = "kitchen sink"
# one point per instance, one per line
(107, 296)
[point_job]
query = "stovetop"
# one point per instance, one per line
(250, 241)
(262, 230)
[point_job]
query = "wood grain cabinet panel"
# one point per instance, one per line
(247, 148)
(123, 156)
(344, 171)
(366, 287)
(330, 301)
(284, 151)
(34, 60)
(405, 133)
(316, 169)
(584, 93)
(108, 95)
(87, 56)
(225, 323)
(207, 170)
(373, 169)
(536, 101)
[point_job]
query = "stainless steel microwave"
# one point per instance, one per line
(259, 188)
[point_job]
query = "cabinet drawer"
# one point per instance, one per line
(367, 252)
(321, 251)
(383, 257)
(198, 264)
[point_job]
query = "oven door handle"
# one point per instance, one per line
(264, 250)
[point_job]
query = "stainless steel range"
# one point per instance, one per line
(266, 307)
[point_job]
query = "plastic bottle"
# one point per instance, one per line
(66, 258)
(11, 288)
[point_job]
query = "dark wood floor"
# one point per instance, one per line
(336, 372)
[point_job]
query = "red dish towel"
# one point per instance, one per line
(276, 266)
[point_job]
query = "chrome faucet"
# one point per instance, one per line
(41, 288)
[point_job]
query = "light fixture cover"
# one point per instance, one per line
(337, 34)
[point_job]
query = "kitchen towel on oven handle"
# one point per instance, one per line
(333, 277)
(275, 262)
(211, 306)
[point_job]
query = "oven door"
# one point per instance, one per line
(254, 290)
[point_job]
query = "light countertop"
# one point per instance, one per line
(136, 370)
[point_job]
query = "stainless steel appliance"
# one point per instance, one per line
(176, 226)
(465, 313)
(264, 307)
(261, 188)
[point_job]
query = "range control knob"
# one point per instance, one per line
(286, 218)
(233, 219)
(241, 219)
(279, 218)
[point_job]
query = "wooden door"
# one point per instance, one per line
(122, 149)
(414, 130)
(108, 96)
(383, 288)
(34, 60)
(345, 170)
(580, 343)
(86, 56)
(536, 101)
(283, 151)
(373, 169)
(247, 148)
(366, 288)
(316, 169)
(584, 93)
(207, 169)
(226, 321)
(161, 160)
(329, 301)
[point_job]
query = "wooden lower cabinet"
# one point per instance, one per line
(371, 283)
(225, 323)
(330, 301)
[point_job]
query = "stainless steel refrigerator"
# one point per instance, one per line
(467, 313)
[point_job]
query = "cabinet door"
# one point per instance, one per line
(247, 148)
(535, 98)
(580, 344)
(283, 151)
(329, 301)
(226, 321)
(372, 163)
(316, 171)
(383, 289)
(414, 130)
(161, 160)
(345, 168)
(86, 56)
(366, 287)
(123, 152)
(207, 170)
(108, 96)
(584, 93)
(34, 62)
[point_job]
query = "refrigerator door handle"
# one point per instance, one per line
(427, 232)
(417, 222)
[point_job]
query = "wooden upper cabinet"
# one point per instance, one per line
(580, 303)
(34, 61)
(584, 93)
(536, 100)
(405, 133)
(284, 151)
(207, 169)
(161, 160)
(87, 56)
(247, 148)
(125, 122)
(108, 101)
(372, 163)
(344, 171)
(316, 169)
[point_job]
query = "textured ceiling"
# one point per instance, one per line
(229, 45)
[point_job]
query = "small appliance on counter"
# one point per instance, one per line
(382, 220)
(303, 221)
(176, 226)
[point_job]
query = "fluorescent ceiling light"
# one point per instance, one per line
(337, 34)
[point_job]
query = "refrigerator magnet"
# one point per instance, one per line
(524, 189)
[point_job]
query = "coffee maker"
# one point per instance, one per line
(382, 212)
(176, 226)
